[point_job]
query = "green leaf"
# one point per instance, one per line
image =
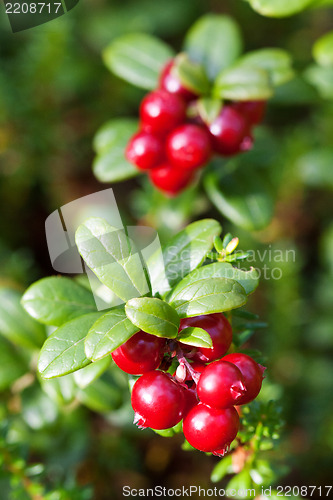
(108, 333)
(223, 468)
(110, 141)
(184, 252)
(102, 395)
(208, 295)
(111, 255)
(15, 324)
(249, 280)
(243, 83)
(322, 79)
(215, 42)
(244, 198)
(55, 300)
(137, 58)
(63, 352)
(92, 372)
(195, 336)
(279, 8)
(62, 390)
(209, 109)
(276, 62)
(192, 75)
(153, 316)
(12, 366)
(323, 50)
(315, 168)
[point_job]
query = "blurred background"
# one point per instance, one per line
(55, 93)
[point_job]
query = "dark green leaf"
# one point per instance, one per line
(12, 366)
(185, 252)
(111, 255)
(196, 337)
(56, 300)
(192, 75)
(90, 373)
(153, 316)
(276, 62)
(110, 164)
(249, 280)
(243, 83)
(215, 42)
(15, 324)
(208, 295)
(108, 333)
(279, 8)
(323, 50)
(137, 58)
(63, 352)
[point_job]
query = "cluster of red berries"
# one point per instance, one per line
(203, 391)
(171, 146)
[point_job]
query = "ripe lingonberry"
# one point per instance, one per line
(253, 110)
(157, 400)
(188, 147)
(191, 399)
(169, 178)
(161, 112)
(252, 373)
(219, 330)
(228, 131)
(210, 429)
(144, 150)
(140, 354)
(221, 384)
(170, 82)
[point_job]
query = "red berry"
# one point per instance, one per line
(169, 178)
(170, 82)
(228, 131)
(221, 385)
(140, 354)
(188, 147)
(218, 328)
(209, 429)
(158, 401)
(252, 373)
(252, 110)
(144, 150)
(160, 112)
(191, 399)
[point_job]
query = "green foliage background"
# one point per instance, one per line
(54, 93)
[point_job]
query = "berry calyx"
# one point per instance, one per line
(169, 178)
(160, 112)
(210, 429)
(228, 131)
(221, 385)
(219, 330)
(140, 354)
(253, 110)
(157, 400)
(170, 82)
(188, 147)
(252, 373)
(144, 150)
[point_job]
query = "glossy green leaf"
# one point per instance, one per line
(243, 83)
(12, 366)
(15, 324)
(111, 255)
(153, 316)
(276, 62)
(322, 79)
(108, 333)
(208, 295)
(138, 58)
(110, 164)
(92, 372)
(249, 280)
(195, 336)
(215, 42)
(56, 300)
(323, 50)
(192, 75)
(63, 352)
(244, 198)
(184, 252)
(279, 8)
